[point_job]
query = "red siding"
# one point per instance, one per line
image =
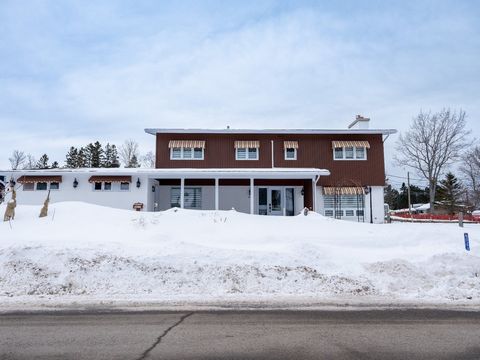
(314, 151)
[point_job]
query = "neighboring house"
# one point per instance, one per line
(338, 173)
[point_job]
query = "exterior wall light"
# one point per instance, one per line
(153, 188)
(138, 182)
(12, 182)
(75, 183)
(302, 191)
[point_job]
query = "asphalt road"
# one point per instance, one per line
(388, 334)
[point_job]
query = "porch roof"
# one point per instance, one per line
(235, 173)
(208, 173)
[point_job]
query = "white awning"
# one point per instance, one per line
(186, 144)
(247, 144)
(344, 190)
(349, 143)
(290, 144)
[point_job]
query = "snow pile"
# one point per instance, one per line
(83, 252)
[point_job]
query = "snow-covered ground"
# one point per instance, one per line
(84, 253)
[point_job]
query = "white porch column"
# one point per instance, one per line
(252, 196)
(182, 192)
(314, 194)
(216, 193)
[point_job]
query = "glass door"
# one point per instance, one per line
(275, 203)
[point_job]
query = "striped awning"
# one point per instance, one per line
(344, 190)
(349, 143)
(247, 144)
(110, 178)
(186, 144)
(290, 144)
(41, 178)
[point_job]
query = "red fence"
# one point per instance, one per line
(438, 217)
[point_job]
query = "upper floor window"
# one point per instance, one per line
(186, 149)
(350, 150)
(247, 150)
(290, 150)
(186, 153)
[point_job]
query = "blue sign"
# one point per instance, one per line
(467, 241)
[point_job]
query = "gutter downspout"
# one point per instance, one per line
(314, 191)
(273, 156)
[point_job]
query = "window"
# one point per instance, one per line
(107, 186)
(339, 153)
(192, 197)
(28, 187)
(186, 153)
(344, 205)
(198, 153)
(246, 154)
(54, 186)
(97, 186)
(350, 153)
(124, 186)
(360, 152)
(290, 154)
(41, 186)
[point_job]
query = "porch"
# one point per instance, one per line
(255, 191)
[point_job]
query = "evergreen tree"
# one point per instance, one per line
(391, 197)
(54, 165)
(71, 158)
(96, 155)
(81, 159)
(133, 163)
(88, 151)
(115, 162)
(43, 162)
(111, 157)
(449, 192)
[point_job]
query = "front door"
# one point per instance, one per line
(270, 201)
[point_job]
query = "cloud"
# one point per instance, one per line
(106, 71)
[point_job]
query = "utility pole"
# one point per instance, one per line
(409, 198)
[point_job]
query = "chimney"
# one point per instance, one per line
(360, 122)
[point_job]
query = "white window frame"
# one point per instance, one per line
(102, 186)
(354, 154)
(124, 182)
(247, 153)
(294, 154)
(182, 156)
(50, 186)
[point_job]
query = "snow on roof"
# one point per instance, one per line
(208, 172)
(154, 131)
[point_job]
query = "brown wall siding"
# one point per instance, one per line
(314, 151)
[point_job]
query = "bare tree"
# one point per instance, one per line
(18, 159)
(432, 142)
(129, 153)
(30, 162)
(148, 160)
(470, 169)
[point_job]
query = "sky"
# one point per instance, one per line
(73, 72)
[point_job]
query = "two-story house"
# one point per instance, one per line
(337, 173)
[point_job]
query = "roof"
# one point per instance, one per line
(154, 131)
(244, 173)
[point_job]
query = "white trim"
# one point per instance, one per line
(354, 154)
(182, 154)
(154, 131)
(246, 154)
(285, 154)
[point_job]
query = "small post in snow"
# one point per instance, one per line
(460, 219)
(467, 241)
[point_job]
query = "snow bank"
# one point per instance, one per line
(82, 252)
